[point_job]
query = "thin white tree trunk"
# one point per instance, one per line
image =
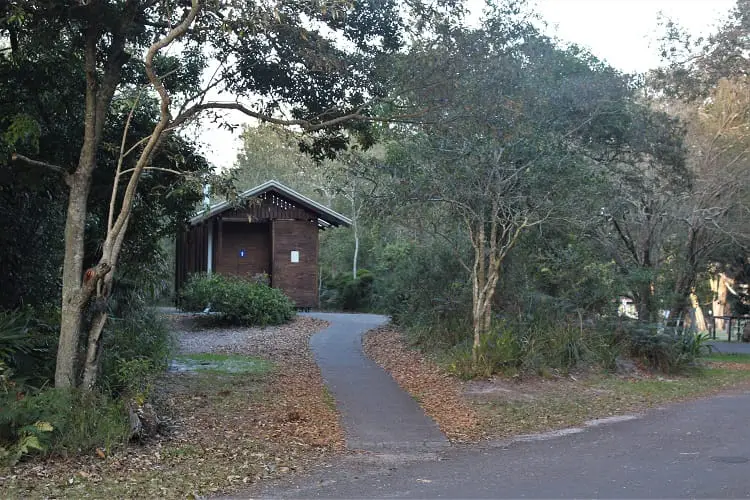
(356, 249)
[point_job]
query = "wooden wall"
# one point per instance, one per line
(298, 280)
(268, 230)
(191, 252)
(252, 240)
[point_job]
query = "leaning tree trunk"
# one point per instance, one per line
(112, 247)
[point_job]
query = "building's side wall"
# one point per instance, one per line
(298, 280)
(245, 249)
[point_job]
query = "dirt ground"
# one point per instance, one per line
(223, 433)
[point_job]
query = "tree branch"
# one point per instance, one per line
(160, 169)
(42, 164)
(307, 125)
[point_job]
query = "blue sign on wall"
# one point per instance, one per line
(242, 252)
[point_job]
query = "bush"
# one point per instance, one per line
(137, 347)
(539, 343)
(61, 422)
(535, 346)
(28, 344)
(237, 301)
(342, 292)
(664, 349)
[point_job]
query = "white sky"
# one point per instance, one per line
(622, 32)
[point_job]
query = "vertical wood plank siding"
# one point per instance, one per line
(267, 229)
(298, 280)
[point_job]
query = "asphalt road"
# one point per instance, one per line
(699, 449)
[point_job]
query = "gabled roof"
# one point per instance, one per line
(326, 216)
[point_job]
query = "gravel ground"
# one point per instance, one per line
(278, 343)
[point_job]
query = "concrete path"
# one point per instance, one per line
(731, 347)
(693, 450)
(376, 413)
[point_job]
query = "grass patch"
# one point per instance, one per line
(566, 404)
(729, 357)
(231, 364)
(329, 400)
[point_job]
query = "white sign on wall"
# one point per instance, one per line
(295, 256)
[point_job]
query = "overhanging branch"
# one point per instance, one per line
(41, 164)
(307, 125)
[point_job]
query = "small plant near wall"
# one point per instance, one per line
(237, 301)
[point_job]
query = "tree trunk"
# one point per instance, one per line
(478, 323)
(356, 248)
(682, 301)
(645, 304)
(482, 309)
(700, 319)
(73, 299)
(94, 349)
(75, 292)
(719, 306)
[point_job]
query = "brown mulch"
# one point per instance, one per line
(226, 432)
(728, 365)
(438, 393)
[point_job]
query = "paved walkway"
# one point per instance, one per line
(376, 413)
(731, 347)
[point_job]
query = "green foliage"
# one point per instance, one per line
(28, 440)
(28, 341)
(14, 334)
(422, 284)
(137, 346)
(56, 421)
(539, 343)
(665, 349)
(342, 292)
(237, 301)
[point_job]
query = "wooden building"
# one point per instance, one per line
(272, 230)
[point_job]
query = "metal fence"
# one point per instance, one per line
(731, 329)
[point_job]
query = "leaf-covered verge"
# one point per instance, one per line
(502, 407)
(225, 431)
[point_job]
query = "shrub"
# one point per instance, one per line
(237, 301)
(345, 293)
(664, 349)
(61, 422)
(137, 347)
(28, 344)
(533, 347)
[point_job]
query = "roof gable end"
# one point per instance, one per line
(326, 216)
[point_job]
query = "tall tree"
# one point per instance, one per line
(706, 79)
(288, 55)
(513, 123)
